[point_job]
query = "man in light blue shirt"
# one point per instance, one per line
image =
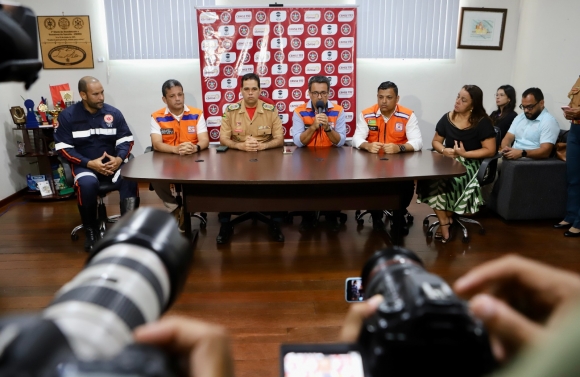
(533, 133)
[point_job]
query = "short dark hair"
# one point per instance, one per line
(319, 80)
(536, 92)
(170, 84)
(251, 76)
(389, 85)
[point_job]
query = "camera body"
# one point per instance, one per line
(132, 276)
(421, 327)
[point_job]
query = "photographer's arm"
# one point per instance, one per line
(356, 316)
(518, 300)
(206, 346)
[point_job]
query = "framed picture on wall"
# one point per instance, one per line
(482, 28)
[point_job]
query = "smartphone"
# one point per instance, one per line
(299, 360)
(222, 148)
(565, 108)
(288, 149)
(353, 290)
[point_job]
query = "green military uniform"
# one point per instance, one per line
(264, 127)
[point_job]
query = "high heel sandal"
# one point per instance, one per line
(438, 234)
(445, 240)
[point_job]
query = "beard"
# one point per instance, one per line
(533, 116)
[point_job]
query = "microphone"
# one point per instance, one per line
(320, 106)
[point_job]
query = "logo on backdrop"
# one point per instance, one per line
(279, 56)
(211, 84)
(226, 17)
(213, 109)
(329, 69)
(296, 94)
(329, 42)
(278, 29)
(312, 29)
(281, 106)
(345, 80)
(228, 71)
(296, 69)
(259, 43)
(280, 81)
(215, 133)
(264, 93)
(227, 44)
(208, 31)
(230, 96)
(262, 69)
(345, 105)
(312, 56)
(244, 30)
(295, 16)
(345, 29)
(345, 55)
(261, 17)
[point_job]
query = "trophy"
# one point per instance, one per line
(18, 116)
(42, 109)
(54, 116)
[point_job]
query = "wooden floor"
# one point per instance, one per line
(265, 293)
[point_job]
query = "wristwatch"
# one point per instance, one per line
(197, 148)
(402, 148)
(329, 129)
(524, 153)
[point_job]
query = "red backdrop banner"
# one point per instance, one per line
(285, 47)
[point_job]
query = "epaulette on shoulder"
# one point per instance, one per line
(234, 106)
(268, 106)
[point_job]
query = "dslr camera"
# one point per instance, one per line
(132, 276)
(421, 328)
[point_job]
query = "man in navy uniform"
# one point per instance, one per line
(96, 140)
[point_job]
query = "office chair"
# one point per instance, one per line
(485, 175)
(202, 216)
(104, 189)
(388, 213)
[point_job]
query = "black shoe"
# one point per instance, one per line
(91, 236)
(571, 234)
(225, 233)
(276, 233)
(129, 204)
(562, 226)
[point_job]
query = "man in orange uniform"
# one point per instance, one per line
(177, 129)
(392, 128)
(319, 123)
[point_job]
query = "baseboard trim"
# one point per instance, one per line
(13, 197)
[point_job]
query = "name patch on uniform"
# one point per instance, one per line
(373, 128)
(372, 122)
(233, 106)
(191, 129)
(167, 131)
(399, 127)
(267, 106)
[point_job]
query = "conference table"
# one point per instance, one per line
(306, 179)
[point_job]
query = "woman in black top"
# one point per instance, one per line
(466, 134)
(505, 99)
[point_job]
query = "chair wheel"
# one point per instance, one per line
(429, 234)
(425, 222)
(360, 221)
(343, 218)
(202, 225)
(74, 237)
(465, 239)
(482, 231)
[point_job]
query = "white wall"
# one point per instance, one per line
(427, 86)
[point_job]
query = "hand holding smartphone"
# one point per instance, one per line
(565, 108)
(353, 290)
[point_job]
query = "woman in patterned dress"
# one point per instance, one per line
(467, 135)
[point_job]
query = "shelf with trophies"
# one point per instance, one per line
(34, 134)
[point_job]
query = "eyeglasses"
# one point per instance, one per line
(529, 107)
(317, 94)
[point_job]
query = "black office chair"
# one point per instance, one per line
(388, 213)
(202, 216)
(485, 175)
(104, 188)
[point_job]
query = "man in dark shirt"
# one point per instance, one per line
(96, 140)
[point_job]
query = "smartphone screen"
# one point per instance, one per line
(353, 290)
(322, 360)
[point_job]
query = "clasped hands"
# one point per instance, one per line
(186, 148)
(572, 113)
(105, 168)
(321, 120)
(457, 150)
(389, 148)
(251, 145)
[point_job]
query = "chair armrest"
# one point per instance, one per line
(488, 168)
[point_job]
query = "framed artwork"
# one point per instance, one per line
(482, 28)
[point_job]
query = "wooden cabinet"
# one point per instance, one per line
(37, 144)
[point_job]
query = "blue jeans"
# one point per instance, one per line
(573, 176)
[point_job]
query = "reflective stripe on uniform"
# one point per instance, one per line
(94, 131)
(124, 140)
(59, 146)
(85, 174)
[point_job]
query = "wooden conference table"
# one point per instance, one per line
(309, 179)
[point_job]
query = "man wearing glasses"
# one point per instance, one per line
(533, 133)
(319, 123)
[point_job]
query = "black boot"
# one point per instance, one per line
(89, 219)
(129, 204)
(226, 230)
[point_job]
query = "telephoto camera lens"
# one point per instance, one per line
(421, 327)
(132, 276)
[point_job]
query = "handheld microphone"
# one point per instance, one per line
(320, 106)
